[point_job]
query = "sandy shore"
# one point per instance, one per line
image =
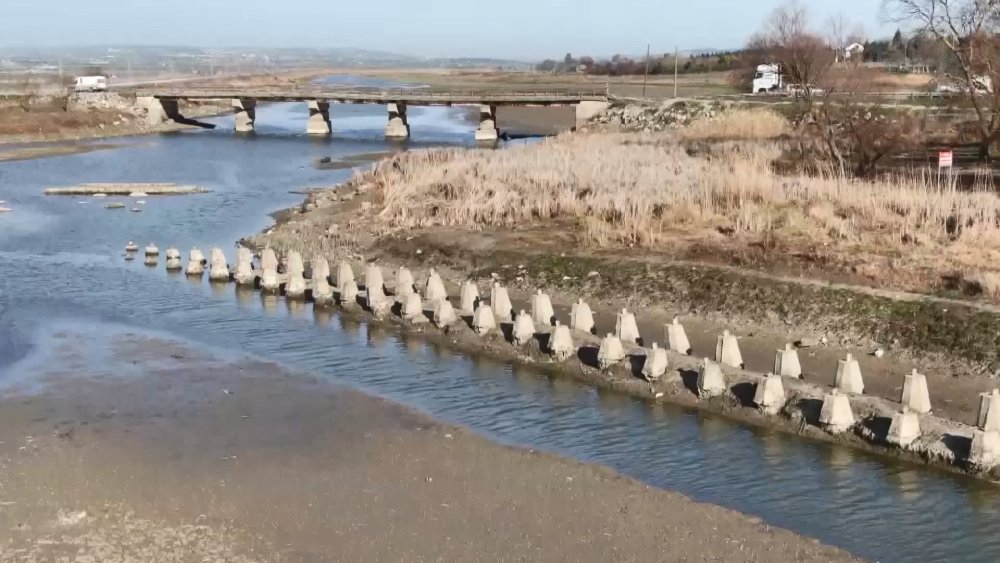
(166, 452)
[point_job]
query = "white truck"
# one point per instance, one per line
(91, 84)
(767, 79)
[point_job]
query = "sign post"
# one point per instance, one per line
(946, 158)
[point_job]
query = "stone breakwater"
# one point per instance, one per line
(478, 319)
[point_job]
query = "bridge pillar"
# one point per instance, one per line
(487, 131)
(319, 118)
(589, 109)
(158, 111)
(398, 128)
(244, 112)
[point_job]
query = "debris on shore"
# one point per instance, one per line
(147, 189)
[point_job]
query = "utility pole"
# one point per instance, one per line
(676, 54)
(645, 76)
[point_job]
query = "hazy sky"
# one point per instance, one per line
(526, 29)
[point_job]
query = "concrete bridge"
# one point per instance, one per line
(162, 104)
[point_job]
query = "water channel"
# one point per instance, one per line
(61, 264)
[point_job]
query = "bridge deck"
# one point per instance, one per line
(411, 96)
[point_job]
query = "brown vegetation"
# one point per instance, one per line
(647, 190)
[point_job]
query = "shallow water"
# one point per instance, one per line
(61, 263)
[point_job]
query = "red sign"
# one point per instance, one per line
(945, 159)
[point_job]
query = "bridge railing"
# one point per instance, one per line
(364, 93)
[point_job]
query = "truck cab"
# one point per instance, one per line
(767, 79)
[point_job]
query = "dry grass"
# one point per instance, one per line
(738, 125)
(639, 189)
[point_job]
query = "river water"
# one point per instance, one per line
(61, 264)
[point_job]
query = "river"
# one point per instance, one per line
(61, 263)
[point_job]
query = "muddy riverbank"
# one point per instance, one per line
(235, 458)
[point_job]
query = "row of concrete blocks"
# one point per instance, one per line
(836, 415)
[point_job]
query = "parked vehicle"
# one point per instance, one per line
(90, 84)
(767, 79)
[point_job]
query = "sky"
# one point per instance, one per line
(517, 29)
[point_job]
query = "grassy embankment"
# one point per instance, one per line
(698, 219)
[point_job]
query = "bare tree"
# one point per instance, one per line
(968, 29)
(804, 56)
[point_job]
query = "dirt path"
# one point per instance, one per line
(200, 458)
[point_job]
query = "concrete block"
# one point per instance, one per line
(398, 127)
(656, 363)
(151, 250)
(374, 279)
(727, 351)
(500, 302)
(344, 273)
(836, 415)
(611, 352)
(218, 269)
(319, 118)
(849, 376)
(131, 247)
(151, 260)
(469, 296)
(294, 263)
(174, 260)
(905, 428)
(196, 263)
(487, 130)
(589, 109)
(404, 283)
(444, 313)
(988, 417)
(269, 281)
(244, 274)
(984, 453)
(483, 320)
(348, 292)
(626, 328)
(677, 338)
(581, 317)
(711, 381)
(413, 307)
(541, 309)
(524, 329)
(561, 343)
(434, 287)
(295, 287)
(915, 395)
(269, 260)
(322, 291)
(770, 394)
(244, 115)
(320, 268)
(786, 362)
